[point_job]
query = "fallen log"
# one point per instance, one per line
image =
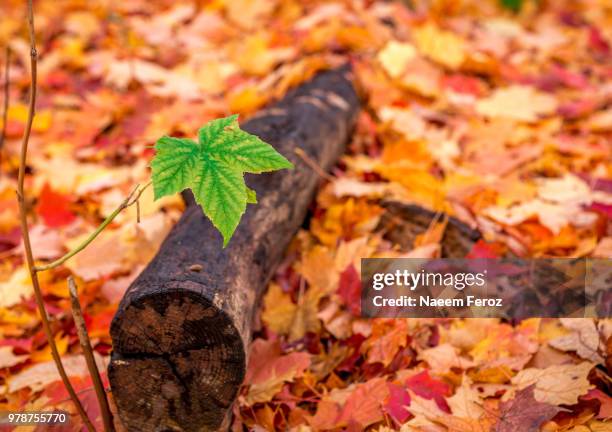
(402, 223)
(181, 333)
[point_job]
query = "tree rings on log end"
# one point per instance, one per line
(179, 358)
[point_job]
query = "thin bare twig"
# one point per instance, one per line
(24, 226)
(79, 322)
(7, 81)
(132, 198)
(313, 165)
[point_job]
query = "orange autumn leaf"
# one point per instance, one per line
(268, 370)
(387, 338)
(346, 220)
(360, 407)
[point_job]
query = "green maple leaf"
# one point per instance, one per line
(213, 168)
(513, 5)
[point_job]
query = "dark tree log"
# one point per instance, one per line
(402, 223)
(181, 333)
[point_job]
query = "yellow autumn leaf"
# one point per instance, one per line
(18, 112)
(12, 318)
(395, 56)
(466, 402)
(443, 47)
(442, 358)
(256, 56)
(599, 426)
(465, 334)
(312, 264)
(492, 375)
(584, 339)
(84, 24)
(246, 100)
(278, 310)
(551, 328)
(72, 49)
(283, 316)
(422, 187)
(558, 384)
(248, 14)
(507, 345)
(305, 319)
(17, 288)
(601, 121)
(352, 252)
(517, 102)
(552, 215)
(349, 219)
(422, 77)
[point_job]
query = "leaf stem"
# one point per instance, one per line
(24, 226)
(79, 322)
(131, 199)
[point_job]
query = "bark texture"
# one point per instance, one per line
(402, 223)
(181, 333)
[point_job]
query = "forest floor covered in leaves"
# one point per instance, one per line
(501, 120)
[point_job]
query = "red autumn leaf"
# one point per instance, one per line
(558, 77)
(22, 345)
(597, 42)
(354, 343)
(98, 324)
(597, 183)
(10, 239)
(349, 288)
(524, 413)
(422, 384)
(605, 209)
(463, 84)
(57, 395)
(54, 208)
(396, 403)
(482, 249)
(577, 108)
(569, 78)
(605, 408)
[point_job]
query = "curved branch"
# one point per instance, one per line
(132, 198)
(6, 97)
(24, 227)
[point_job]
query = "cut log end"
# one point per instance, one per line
(187, 357)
